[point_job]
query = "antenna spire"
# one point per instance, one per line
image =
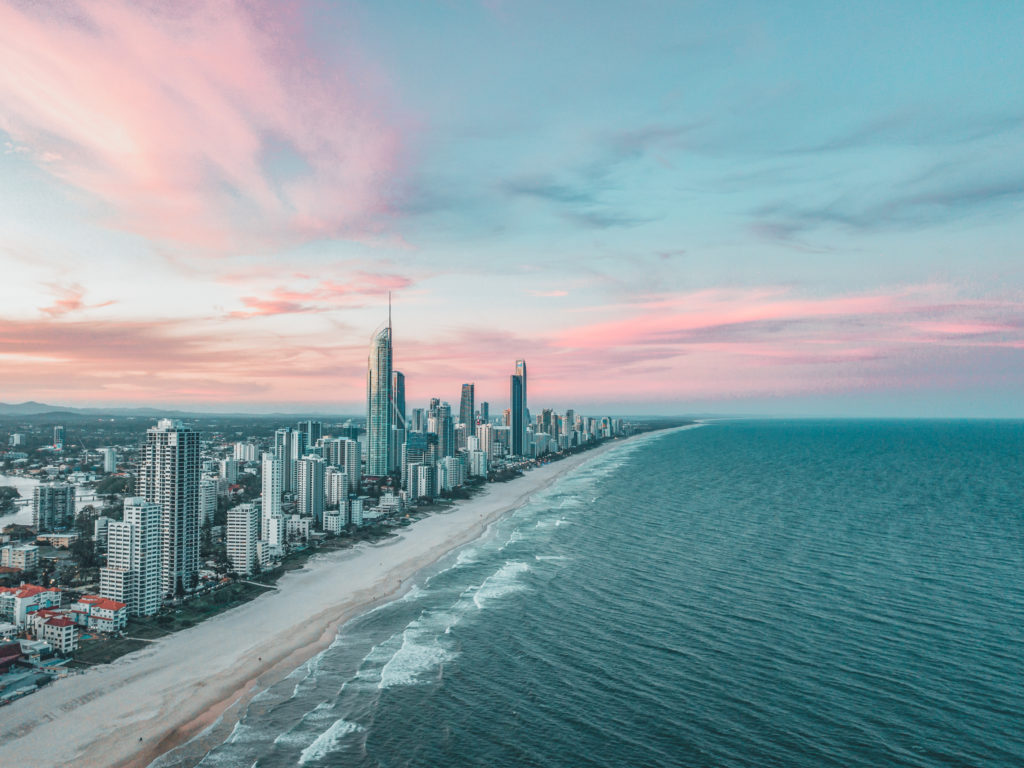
(389, 310)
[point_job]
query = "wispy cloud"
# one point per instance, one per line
(197, 124)
(323, 296)
(69, 298)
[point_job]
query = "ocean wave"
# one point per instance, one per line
(504, 581)
(328, 741)
(421, 652)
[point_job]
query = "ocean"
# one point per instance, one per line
(744, 593)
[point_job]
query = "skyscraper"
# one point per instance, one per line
(517, 407)
(485, 412)
(313, 430)
(58, 438)
(467, 409)
(379, 404)
(398, 400)
(286, 448)
(170, 477)
(418, 421)
(443, 427)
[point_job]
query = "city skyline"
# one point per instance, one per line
(722, 211)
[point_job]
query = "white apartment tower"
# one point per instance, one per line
(170, 477)
(132, 574)
(272, 488)
(243, 530)
(336, 488)
(109, 460)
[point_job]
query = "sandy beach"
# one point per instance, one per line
(143, 705)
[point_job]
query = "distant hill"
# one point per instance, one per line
(33, 408)
(30, 408)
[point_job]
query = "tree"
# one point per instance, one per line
(83, 553)
(8, 493)
(112, 484)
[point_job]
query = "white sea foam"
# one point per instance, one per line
(466, 557)
(328, 741)
(290, 739)
(551, 557)
(421, 651)
(503, 582)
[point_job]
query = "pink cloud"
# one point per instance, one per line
(726, 344)
(170, 115)
(69, 299)
(324, 296)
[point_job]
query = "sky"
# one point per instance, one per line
(792, 208)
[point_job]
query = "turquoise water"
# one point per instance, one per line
(740, 594)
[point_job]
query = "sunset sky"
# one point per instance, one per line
(665, 207)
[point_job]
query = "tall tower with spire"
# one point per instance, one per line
(517, 407)
(379, 402)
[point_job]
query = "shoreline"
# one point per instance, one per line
(198, 681)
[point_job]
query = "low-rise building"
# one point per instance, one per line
(17, 603)
(334, 521)
(100, 614)
(23, 556)
(57, 540)
(297, 527)
(61, 633)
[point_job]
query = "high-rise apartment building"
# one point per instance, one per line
(109, 460)
(379, 406)
(243, 531)
(170, 477)
(310, 493)
(335, 489)
(244, 452)
(53, 506)
(207, 500)
(420, 448)
(345, 455)
(287, 448)
(272, 478)
(467, 409)
(58, 438)
(132, 573)
(229, 470)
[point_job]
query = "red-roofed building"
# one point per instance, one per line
(62, 633)
(100, 614)
(17, 603)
